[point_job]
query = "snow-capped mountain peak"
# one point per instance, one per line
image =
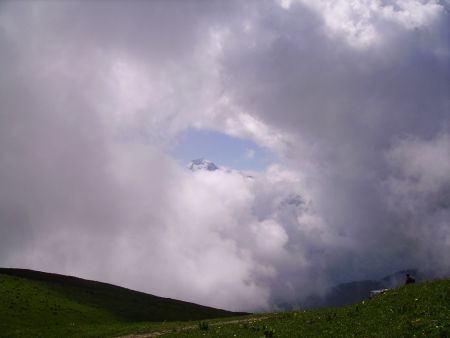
(202, 164)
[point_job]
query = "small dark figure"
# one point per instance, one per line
(409, 279)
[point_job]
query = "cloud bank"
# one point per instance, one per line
(353, 97)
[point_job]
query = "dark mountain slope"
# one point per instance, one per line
(38, 301)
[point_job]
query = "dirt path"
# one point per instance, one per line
(190, 327)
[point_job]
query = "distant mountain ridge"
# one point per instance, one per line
(355, 291)
(202, 164)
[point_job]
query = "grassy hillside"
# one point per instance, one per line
(41, 304)
(34, 304)
(420, 310)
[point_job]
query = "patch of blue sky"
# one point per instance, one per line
(222, 149)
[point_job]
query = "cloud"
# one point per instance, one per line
(418, 192)
(363, 23)
(352, 98)
(345, 89)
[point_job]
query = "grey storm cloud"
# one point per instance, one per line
(352, 97)
(355, 109)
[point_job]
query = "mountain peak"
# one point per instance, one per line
(202, 164)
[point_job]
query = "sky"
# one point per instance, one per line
(339, 109)
(224, 150)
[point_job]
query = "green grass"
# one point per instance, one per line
(420, 310)
(43, 305)
(37, 304)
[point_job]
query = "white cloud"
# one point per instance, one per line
(91, 98)
(418, 192)
(424, 166)
(363, 23)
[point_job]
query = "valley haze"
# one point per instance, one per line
(349, 100)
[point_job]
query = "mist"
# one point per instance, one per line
(352, 98)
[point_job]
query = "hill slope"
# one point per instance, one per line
(33, 302)
(419, 310)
